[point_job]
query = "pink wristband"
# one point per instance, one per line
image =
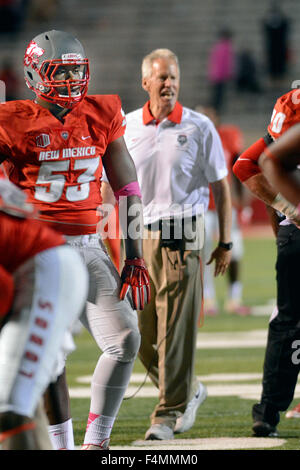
(130, 189)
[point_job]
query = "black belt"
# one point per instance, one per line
(157, 225)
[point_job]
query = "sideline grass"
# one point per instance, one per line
(218, 416)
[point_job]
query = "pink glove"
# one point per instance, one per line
(135, 275)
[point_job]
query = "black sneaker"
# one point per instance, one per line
(263, 429)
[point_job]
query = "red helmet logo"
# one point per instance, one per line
(33, 52)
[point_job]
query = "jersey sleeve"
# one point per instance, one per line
(246, 165)
(285, 115)
(118, 125)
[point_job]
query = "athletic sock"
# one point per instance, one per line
(98, 429)
(108, 387)
(61, 435)
(235, 291)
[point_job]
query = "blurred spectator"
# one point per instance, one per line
(221, 67)
(246, 72)
(233, 142)
(12, 15)
(43, 11)
(9, 76)
(276, 27)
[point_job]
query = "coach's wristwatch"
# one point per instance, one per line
(226, 246)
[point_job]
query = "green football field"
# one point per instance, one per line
(230, 353)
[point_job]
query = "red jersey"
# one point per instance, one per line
(286, 113)
(59, 164)
(232, 143)
(20, 239)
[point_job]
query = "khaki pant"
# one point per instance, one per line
(168, 326)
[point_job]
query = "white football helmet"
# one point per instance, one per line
(44, 54)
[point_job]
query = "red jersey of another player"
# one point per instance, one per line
(59, 164)
(232, 143)
(20, 239)
(286, 113)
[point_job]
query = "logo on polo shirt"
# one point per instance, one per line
(182, 139)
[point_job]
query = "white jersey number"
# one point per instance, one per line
(51, 174)
(277, 121)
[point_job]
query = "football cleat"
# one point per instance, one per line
(104, 445)
(294, 413)
(264, 429)
(234, 307)
(210, 308)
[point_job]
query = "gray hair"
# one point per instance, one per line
(157, 54)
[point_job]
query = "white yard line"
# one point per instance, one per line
(210, 443)
(139, 377)
(232, 339)
(220, 443)
(247, 391)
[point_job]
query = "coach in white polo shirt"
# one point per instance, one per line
(177, 153)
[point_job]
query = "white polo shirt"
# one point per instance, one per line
(175, 159)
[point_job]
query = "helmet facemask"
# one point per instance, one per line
(65, 93)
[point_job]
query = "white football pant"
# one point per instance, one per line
(211, 236)
(50, 293)
(112, 323)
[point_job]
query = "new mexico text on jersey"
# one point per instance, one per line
(59, 164)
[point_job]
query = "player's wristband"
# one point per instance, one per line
(130, 189)
(285, 207)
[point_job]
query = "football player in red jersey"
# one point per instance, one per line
(37, 271)
(54, 148)
(279, 163)
(280, 373)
